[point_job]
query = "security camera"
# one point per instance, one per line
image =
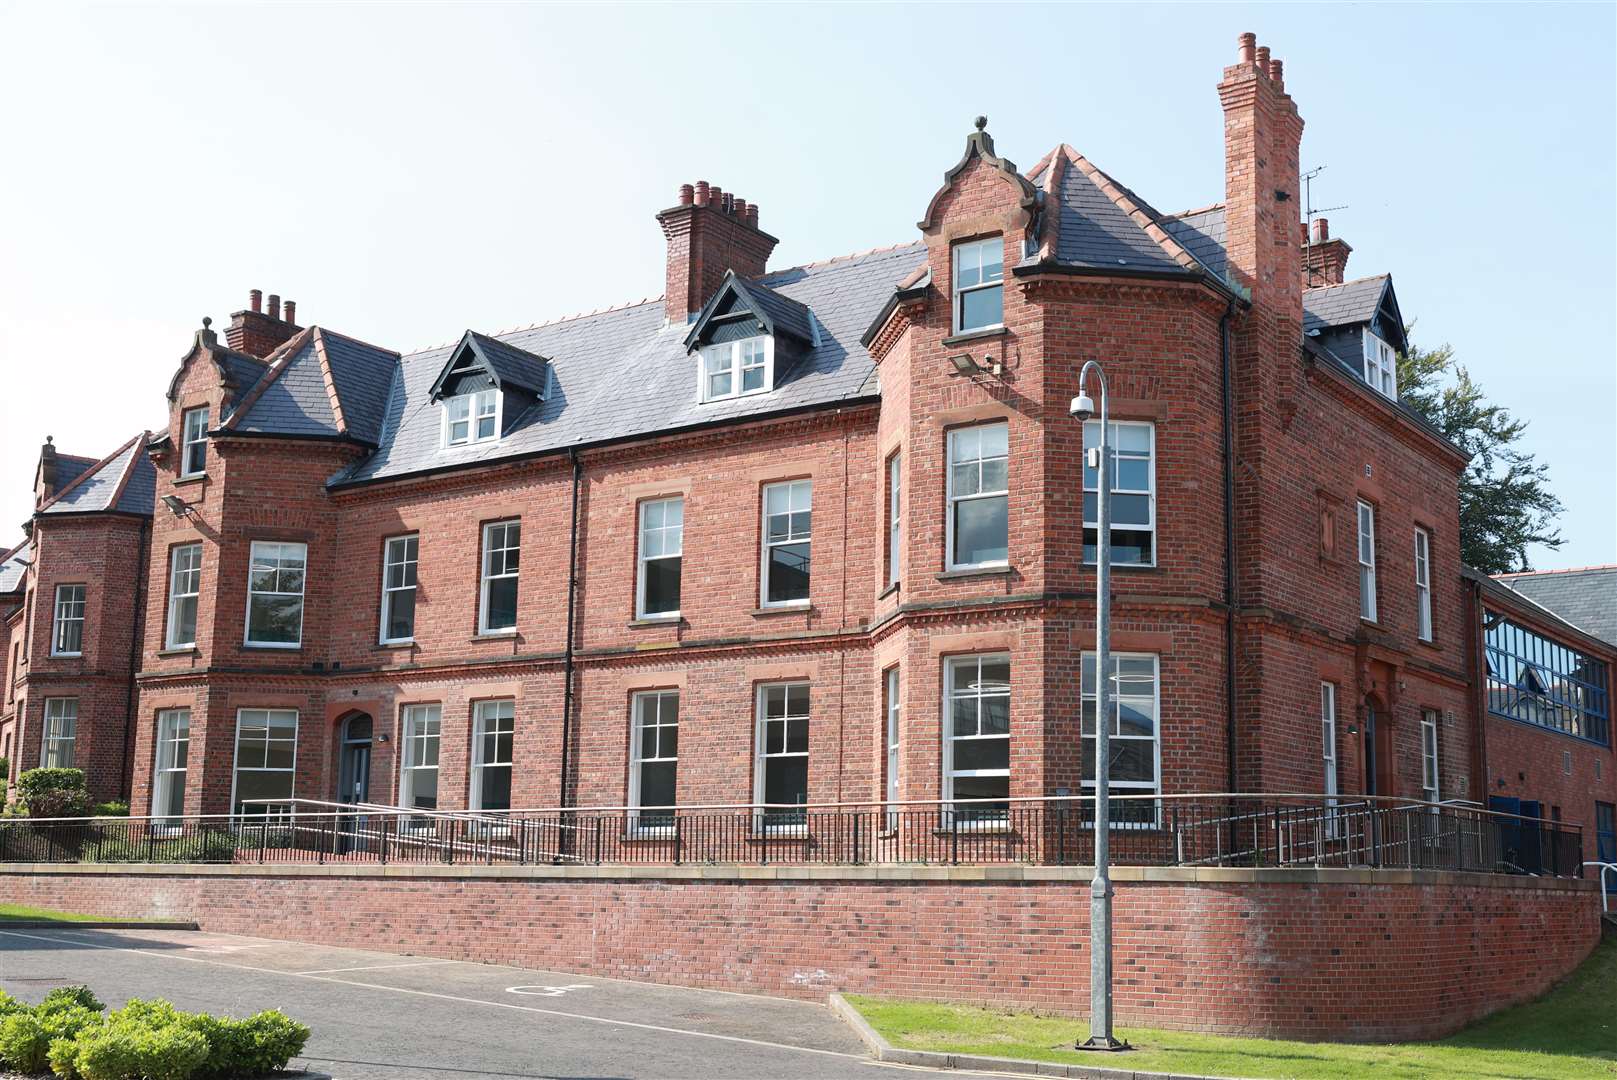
(1082, 407)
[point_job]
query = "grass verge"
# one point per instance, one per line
(19, 913)
(1569, 1034)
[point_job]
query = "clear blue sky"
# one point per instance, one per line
(406, 172)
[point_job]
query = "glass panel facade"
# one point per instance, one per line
(1536, 680)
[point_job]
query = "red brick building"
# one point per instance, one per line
(812, 534)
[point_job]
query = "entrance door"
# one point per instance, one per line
(354, 777)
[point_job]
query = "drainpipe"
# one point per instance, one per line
(126, 782)
(1229, 546)
(567, 660)
(1476, 645)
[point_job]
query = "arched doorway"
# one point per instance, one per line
(354, 760)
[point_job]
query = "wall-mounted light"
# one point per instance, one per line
(966, 364)
(176, 505)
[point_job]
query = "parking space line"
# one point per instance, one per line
(370, 967)
(449, 997)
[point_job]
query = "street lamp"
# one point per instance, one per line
(1100, 887)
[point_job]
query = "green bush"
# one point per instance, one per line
(26, 1036)
(116, 808)
(53, 793)
(9, 1004)
(133, 1051)
(66, 997)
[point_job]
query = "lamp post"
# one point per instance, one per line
(1100, 887)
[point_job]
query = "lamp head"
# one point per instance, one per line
(176, 505)
(1082, 407)
(964, 364)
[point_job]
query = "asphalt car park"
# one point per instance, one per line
(378, 1016)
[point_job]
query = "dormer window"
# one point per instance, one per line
(979, 285)
(733, 368)
(1380, 365)
(472, 418)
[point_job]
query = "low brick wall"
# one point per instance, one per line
(1301, 953)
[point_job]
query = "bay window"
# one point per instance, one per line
(979, 284)
(979, 497)
(977, 735)
(184, 586)
(266, 758)
(168, 773)
(61, 733)
(1132, 449)
(67, 633)
(275, 594)
(1132, 734)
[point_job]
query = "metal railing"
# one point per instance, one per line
(1605, 892)
(1210, 830)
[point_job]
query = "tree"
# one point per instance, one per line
(1505, 499)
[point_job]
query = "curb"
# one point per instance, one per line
(882, 1050)
(100, 924)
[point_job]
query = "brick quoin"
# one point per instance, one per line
(1309, 441)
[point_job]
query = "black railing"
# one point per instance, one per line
(1191, 831)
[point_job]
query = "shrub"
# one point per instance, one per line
(129, 1050)
(260, 1044)
(52, 793)
(65, 997)
(26, 1036)
(116, 808)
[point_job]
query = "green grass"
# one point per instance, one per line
(18, 913)
(1569, 1034)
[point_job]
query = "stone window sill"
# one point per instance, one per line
(187, 481)
(495, 635)
(290, 649)
(657, 620)
(785, 609)
(388, 646)
(889, 591)
(180, 650)
(975, 335)
(976, 572)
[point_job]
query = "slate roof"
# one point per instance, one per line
(1585, 597)
(786, 315)
(13, 566)
(244, 371)
(623, 372)
(513, 366)
(69, 467)
(292, 398)
(1348, 304)
(124, 482)
(1203, 233)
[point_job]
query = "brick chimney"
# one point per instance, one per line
(1262, 137)
(1324, 257)
(709, 232)
(45, 484)
(257, 332)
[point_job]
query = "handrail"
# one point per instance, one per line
(1343, 800)
(1605, 895)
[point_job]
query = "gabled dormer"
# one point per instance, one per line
(485, 386)
(748, 336)
(1358, 324)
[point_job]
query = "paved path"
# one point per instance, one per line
(378, 1016)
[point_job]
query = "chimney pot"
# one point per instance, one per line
(687, 194)
(291, 311)
(255, 300)
(1322, 230)
(741, 209)
(1263, 58)
(752, 214)
(1277, 73)
(715, 197)
(274, 306)
(1249, 45)
(703, 193)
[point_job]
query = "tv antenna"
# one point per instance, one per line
(1310, 211)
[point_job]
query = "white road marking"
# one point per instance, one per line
(451, 997)
(547, 991)
(371, 967)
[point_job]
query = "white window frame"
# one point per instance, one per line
(477, 406)
(235, 764)
(58, 742)
(995, 243)
(495, 716)
(667, 532)
(637, 760)
(184, 583)
(950, 773)
(164, 771)
(1153, 787)
(1380, 365)
(762, 755)
(1150, 490)
(404, 559)
(892, 748)
(953, 500)
(793, 488)
(1332, 781)
(735, 358)
(252, 557)
(193, 433)
(1366, 535)
(1423, 584)
(70, 608)
(895, 517)
(485, 575)
(413, 744)
(1431, 774)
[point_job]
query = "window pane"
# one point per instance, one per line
(788, 573)
(752, 379)
(975, 754)
(982, 307)
(786, 780)
(657, 783)
(275, 619)
(401, 614)
(662, 585)
(502, 603)
(981, 530)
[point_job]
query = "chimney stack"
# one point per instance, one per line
(1262, 139)
(1324, 257)
(709, 231)
(45, 484)
(258, 332)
